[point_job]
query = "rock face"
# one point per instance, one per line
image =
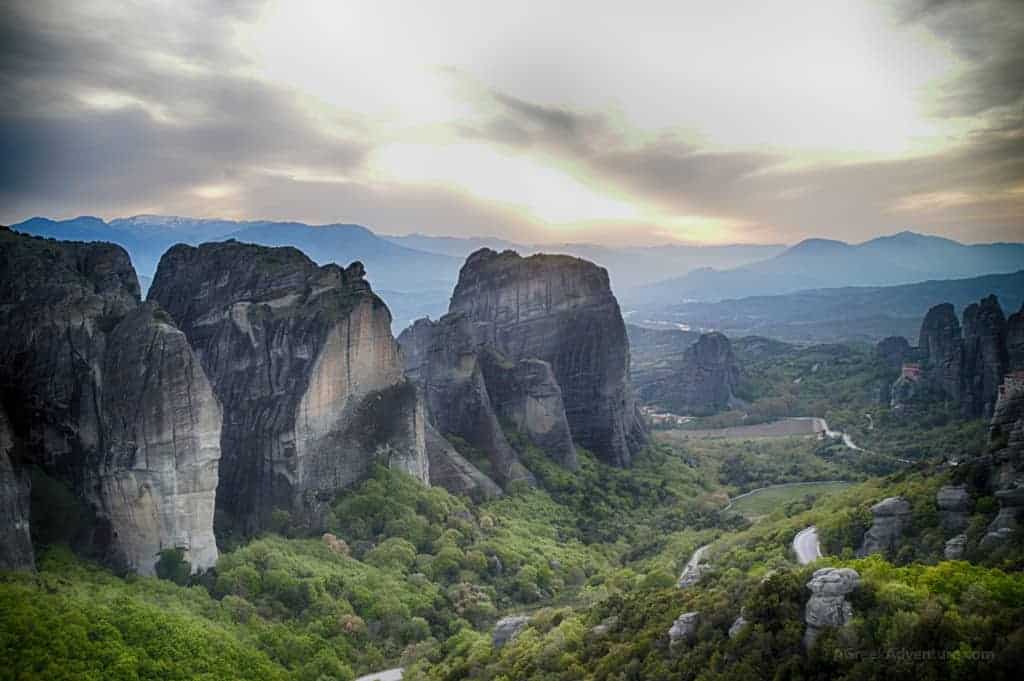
(737, 626)
(109, 399)
(955, 547)
(965, 363)
(605, 627)
(507, 628)
(1009, 519)
(684, 629)
(1002, 470)
(443, 359)
(302, 359)
(162, 442)
(894, 350)
(704, 381)
(904, 392)
(15, 538)
(827, 606)
(954, 504)
(890, 517)
(986, 360)
(526, 395)
(450, 470)
(1006, 436)
(941, 343)
(560, 310)
(1015, 340)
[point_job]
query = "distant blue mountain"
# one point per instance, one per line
(627, 266)
(902, 258)
(866, 313)
(147, 237)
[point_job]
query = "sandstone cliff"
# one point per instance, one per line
(105, 395)
(704, 381)
(560, 310)
(302, 359)
(162, 443)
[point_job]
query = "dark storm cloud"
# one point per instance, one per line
(666, 168)
(188, 114)
(988, 35)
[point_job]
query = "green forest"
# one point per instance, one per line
(412, 576)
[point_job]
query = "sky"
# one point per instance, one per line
(639, 122)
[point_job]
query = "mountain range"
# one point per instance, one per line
(866, 313)
(415, 273)
(902, 258)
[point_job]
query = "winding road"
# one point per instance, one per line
(386, 675)
(806, 545)
(806, 483)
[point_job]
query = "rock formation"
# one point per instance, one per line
(443, 359)
(905, 391)
(1006, 463)
(985, 356)
(302, 359)
(450, 470)
(704, 381)
(684, 629)
(894, 351)
(737, 626)
(605, 627)
(955, 547)
(941, 343)
(15, 539)
(105, 395)
(162, 440)
(560, 310)
(890, 518)
(526, 395)
(1009, 518)
(1015, 340)
(954, 504)
(507, 628)
(827, 606)
(964, 363)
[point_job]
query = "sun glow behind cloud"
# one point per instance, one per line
(856, 92)
(542, 190)
(652, 120)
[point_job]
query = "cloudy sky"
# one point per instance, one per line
(616, 122)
